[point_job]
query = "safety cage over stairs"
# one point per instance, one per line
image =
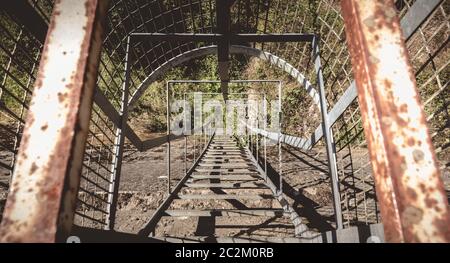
(74, 75)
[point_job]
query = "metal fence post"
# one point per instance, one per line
(257, 136)
(194, 146)
(246, 125)
(280, 157)
(168, 135)
(185, 134)
(41, 200)
(116, 168)
(265, 138)
(331, 155)
(413, 202)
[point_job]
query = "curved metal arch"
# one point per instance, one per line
(235, 49)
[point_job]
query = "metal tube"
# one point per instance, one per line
(332, 168)
(257, 136)
(247, 133)
(218, 81)
(205, 137)
(280, 161)
(168, 136)
(116, 165)
(232, 38)
(185, 134)
(409, 187)
(195, 148)
(41, 200)
(265, 138)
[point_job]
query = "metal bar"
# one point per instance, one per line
(116, 165)
(194, 147)
(223, 44)
(230, 93)
(205, 138)
(103, 103)
(409, 187)
(226, 185)
(234, 240)
(280, 160)
(218, 81)
(232, 38)
(223, 196)
(331, 155)
(227, 213)
(185, 134)
(416, 15)
(225, 177)
(282, 37)
(47, 174)
(265, 138)
(256, 135)
(168, 136)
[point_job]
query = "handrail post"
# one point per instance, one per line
(280, 158)
(257, 135)
(168, 135)
(113, 194)
(331, 155)
(185, 133)
(265, 137)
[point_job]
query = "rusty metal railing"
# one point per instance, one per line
(413, 201)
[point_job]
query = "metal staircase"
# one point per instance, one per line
(228, 172)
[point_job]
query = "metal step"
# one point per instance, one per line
(252, 173)
(227, 185)
(224, 147)
(220, 157)
(252, 239)
(227, 165)
(224, 197)
(215, 155)
(237, 161)
(226, 213)
(227, 178)
(224, 151)
(225, 170)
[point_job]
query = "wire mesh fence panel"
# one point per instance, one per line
(20, 49)
(92, 209)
